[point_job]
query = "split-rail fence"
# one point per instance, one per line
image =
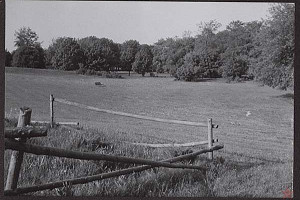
(15, 139)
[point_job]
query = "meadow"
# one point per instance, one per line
(258, 148)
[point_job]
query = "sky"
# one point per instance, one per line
(146, 22)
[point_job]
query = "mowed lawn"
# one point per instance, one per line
(265, 134)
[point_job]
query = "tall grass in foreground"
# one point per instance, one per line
(224, 177)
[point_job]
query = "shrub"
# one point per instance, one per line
(90, 72)
(8, 58)
(185, 73)
(99, 73)
(152, 74)
(81, 71)
(113, 75)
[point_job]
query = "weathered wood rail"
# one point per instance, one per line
(50, 151)
(97, 177)
(25, 132)
(79, 105)
(190, 144)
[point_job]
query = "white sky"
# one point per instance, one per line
(144, 21)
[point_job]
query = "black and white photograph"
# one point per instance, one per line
(148, 99)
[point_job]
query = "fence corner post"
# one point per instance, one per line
(51, 111)
(210, 137)
(17, 156)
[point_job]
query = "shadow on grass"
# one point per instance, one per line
(286, 96)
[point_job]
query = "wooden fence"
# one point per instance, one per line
(209, 124)
(15, 139)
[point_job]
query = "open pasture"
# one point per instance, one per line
(265, 133)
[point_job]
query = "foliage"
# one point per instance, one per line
(8, 58)
(168, 54)
(143, 60)
(65, 54)
(204, 60)
(273, 54)
(29, 53)
(113, 75)
(29, 57)
(239, 40)
(208, 29)
(261, 49)
(127, 54)
(25, 37)
(100, 54)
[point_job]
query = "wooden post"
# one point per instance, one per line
(210, 137)
(17, 156)
(24, 117)
(51, 111)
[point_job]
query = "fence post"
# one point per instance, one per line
(210, 137)
(17, 156)
(51, 111)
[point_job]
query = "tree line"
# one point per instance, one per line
(263, 50)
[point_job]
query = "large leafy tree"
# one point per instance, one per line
(25, 37)
(29, 57)
(168, 54)
(29, 52)
(65, 54)
(204, 60)
(127, 54)
(101, 54)
(238, 45)
(272, 61)
(143, 60)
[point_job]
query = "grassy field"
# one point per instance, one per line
(260, 144)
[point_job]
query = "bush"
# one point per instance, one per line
(113, 75)
(81, 71)
(29, 57)
(99, 73)
(8, 58)
(90, 72)
(185, 73)
(152, 74)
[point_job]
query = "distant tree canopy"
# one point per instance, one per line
(127, 54)
(260, 49)
(203, 61)
(65, 54)
(29, 53)
(238, 43)
(273, 56)
(143, 60)
(168, 54)
(100, 54)
(8, 58)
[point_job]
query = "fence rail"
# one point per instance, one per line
(51, 151)
(79, 105)
(97, 177)
(25, 132)
(190, 144)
